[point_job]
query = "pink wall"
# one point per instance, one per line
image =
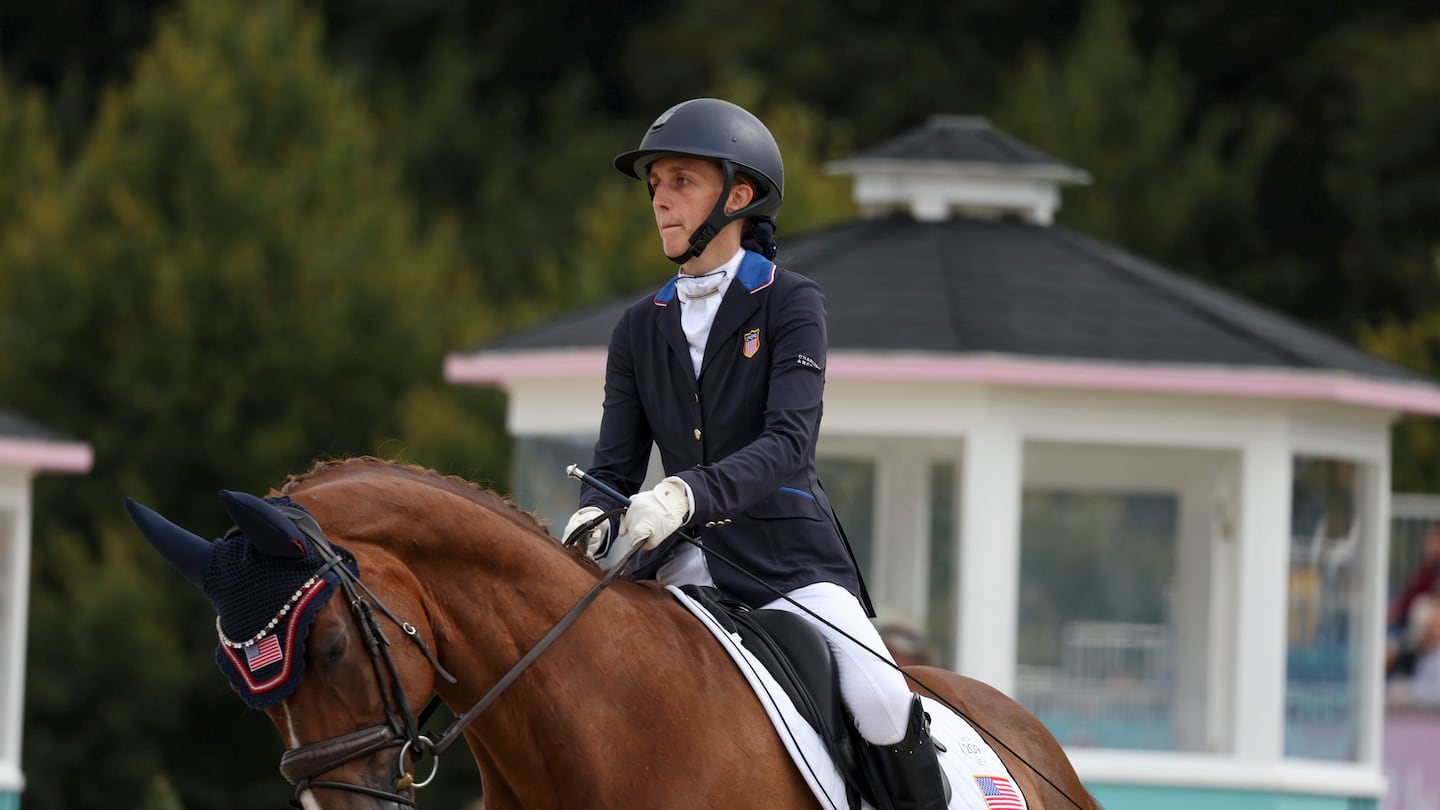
(1412, 757)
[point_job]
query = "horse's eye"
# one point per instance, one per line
(337, 649)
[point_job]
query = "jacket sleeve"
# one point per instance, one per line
(785, 446)
(622, 452)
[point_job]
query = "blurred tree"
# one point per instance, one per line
(1174, 191)
(1291, 62)
(72, 50)
(1385, 177)
(1388, 181)
(879, 67)
(492, 130)
(229, 282)
(28, 162)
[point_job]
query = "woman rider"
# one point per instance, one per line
(723, 370)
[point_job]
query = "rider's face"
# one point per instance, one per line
(685, 192)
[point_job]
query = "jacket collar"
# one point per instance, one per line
(755, 274)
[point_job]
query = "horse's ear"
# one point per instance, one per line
(268, 531)
(189, 553)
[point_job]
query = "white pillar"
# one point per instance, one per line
(15, 596)
(900, 561)
(1375, 565)
(1261, 600)
(990, 555)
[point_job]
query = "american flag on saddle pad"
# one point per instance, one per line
(1000, 793)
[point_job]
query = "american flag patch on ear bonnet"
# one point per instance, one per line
(265, 605)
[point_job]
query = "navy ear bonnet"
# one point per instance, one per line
(266, 602)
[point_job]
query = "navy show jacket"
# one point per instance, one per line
(742, 435)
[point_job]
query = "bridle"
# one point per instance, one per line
(300, 766)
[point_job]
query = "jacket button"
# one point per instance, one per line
(697, 434)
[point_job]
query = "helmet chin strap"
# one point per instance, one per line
(718, 219)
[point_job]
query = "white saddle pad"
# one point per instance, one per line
(978, 779)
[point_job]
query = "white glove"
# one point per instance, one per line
(655, 515)
(595, 541)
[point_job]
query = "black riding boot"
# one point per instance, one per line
(909, 770)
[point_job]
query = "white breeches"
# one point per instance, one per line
(874, 691)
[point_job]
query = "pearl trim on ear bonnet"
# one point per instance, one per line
(265, 606)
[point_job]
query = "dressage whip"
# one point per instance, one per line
(574, 471)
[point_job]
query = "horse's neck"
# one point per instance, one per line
(498, 599)
(633, 653)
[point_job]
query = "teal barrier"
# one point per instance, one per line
(1135, 797)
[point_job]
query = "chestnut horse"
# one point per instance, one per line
(634, 705)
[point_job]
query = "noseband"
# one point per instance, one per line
(300, 766)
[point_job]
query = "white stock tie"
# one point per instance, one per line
(700, 298)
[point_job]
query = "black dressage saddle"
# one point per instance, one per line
(800, 660)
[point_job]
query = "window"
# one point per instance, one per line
(944, 603)
(1095, 643)
(1324, 654)
(1118, 632)
(541, 485)
(850, 485)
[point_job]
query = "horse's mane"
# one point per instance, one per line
(326, 469)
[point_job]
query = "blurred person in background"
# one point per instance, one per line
(1416, 667)
(904, 639)
(1420, 583)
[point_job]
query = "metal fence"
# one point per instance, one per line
(1410, 516)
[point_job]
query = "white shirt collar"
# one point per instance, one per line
(713, 283)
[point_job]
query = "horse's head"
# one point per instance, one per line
(352, 719)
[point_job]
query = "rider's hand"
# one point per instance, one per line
(597, 539)
(655, 515)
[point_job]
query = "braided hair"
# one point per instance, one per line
(759, 236)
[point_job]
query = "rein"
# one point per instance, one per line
(450, 734)
(575, 472)
(301, 765)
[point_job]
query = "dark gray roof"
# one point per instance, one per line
(973, 286)
(15, 426)
(958, 139)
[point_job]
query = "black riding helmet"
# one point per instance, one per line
(719, 130)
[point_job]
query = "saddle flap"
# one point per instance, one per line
(797, 656)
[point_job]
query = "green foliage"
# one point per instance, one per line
(1168, 183)
(229, 282)
(1387, 179)
(232, 274)
(28, 163)
(1386, 175)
